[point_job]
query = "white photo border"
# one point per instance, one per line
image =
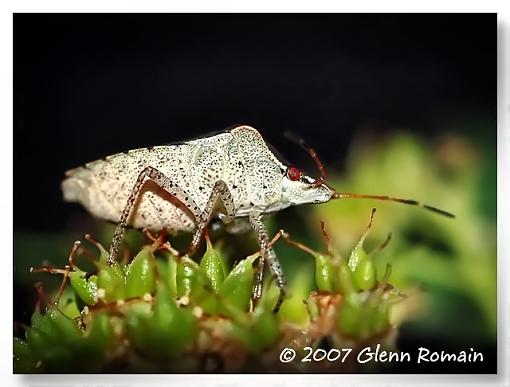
(294, 380)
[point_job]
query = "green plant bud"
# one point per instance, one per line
(260, 333)
(48, 327)
(348, 320)
(365, 324)
(85, 288)
(178, 323)
(164, 309)
(203, 295)
(167, 269)
(66, 328)
(185, 274)
(165, 333)
(172, 277)
(143, 336)
(378, 307)
(324, 272)
(357, 256)
(294, 309)
(57, 343)
(266, 328)
(343, 281)
(363, 315)
(38, 341)
(139, 332)
(237, 287)
(193, 282)
(113, 281)
(100, 334)
(141, 274)
(212, 265)
(350, 314)
(364, 277)
(23, 358)
(362, 265)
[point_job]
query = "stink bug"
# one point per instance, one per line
(232, 176)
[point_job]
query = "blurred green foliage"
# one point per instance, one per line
(453, 260)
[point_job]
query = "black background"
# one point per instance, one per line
(86, 86)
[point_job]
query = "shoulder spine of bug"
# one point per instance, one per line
(180, 188)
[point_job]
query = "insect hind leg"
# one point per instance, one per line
(219, 194)
(162, 181)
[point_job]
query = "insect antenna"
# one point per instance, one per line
(349, 195)
(302, 143)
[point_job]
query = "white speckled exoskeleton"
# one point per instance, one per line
(232, 175)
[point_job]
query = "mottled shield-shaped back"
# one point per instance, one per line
(263, 170)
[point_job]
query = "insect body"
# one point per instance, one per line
(182, 187)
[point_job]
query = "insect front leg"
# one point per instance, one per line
(164, 182)
(219, 193)
(266, 253)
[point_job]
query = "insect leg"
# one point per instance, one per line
(149, 173)
(259, 274)
(259, 278)
(220, 192)
(266, 253)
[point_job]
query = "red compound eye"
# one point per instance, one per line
(293, 173)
